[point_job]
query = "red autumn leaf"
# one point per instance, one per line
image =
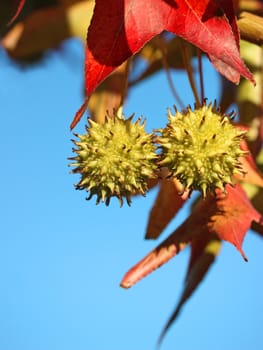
(120, 28)
(226, 70)
(228, 216)
(191, 229)
(156, 258)
(228, 8)
(232, 215)
(204, 250)
(18, 5)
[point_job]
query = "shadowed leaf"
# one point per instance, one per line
(253, 175)
(168, 202)
(204, 250)
(48, 27)
(110, 94)
(152, 53)
(256, 198)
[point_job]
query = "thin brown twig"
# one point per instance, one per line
(201, 77)
(189, 71)
(168, 74)
(125, 87)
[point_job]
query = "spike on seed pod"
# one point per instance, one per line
(210, 156)
(115, 159)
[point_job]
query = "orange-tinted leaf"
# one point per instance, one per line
(231, 216)
(228, 215)
(204, 250)
(79, 113)
(191, 228)
(168, 202)
(156, 258)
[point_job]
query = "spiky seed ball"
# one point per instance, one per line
(201, 148)
(115, 159)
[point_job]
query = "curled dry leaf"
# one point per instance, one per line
(48, 27)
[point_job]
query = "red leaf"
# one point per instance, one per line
(79, 114)
(120, 28)
(228, 8)
(156, 258)
(18, 4)
(191, 228)
(231, 216)
(225, 69)
(203, 253)
(228, 216)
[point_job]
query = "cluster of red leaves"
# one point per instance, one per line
(118, 30)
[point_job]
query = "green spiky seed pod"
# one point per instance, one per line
(201, 148)
(115, 159)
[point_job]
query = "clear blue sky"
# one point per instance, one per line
(62, 258)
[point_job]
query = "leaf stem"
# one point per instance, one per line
(189, 71)
(168, 73)
(201, 77)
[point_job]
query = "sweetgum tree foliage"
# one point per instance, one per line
(121, 33)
